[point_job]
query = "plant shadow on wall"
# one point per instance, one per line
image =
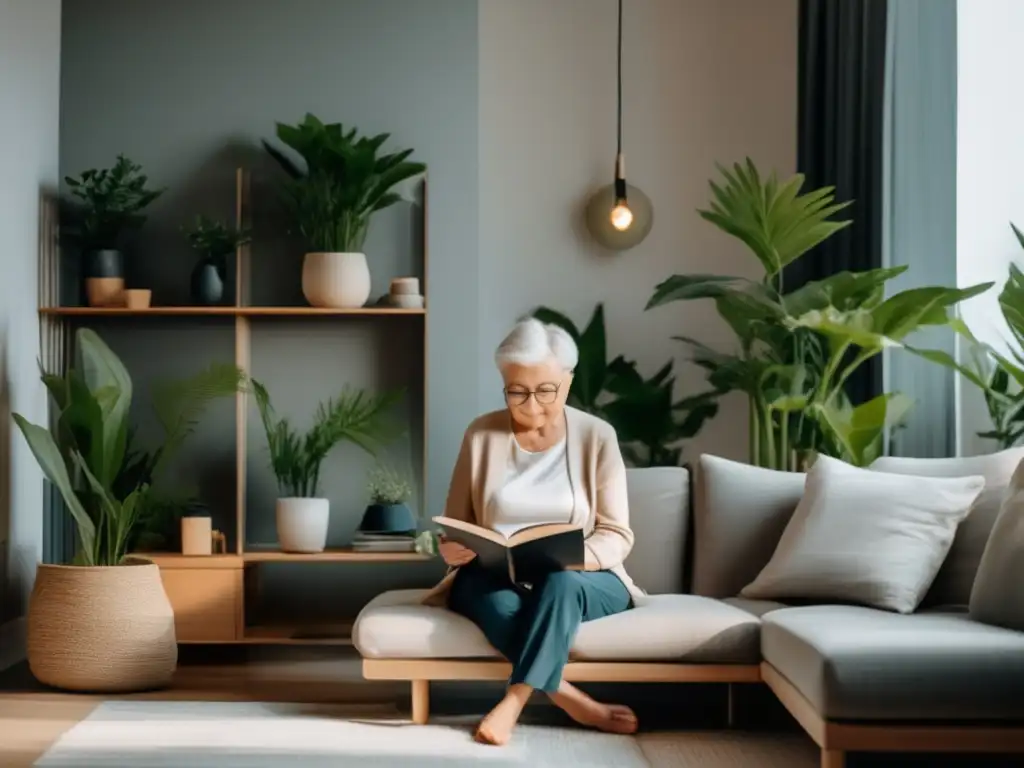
(648, 419)
(796, 349)
(115, 490)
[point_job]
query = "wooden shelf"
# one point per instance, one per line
(337, 633)
(271, 554)
(224, 311)
(176, 560)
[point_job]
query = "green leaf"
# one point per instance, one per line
(860, 431)
(905, 312)
(41, 443)
(844, 290)
(110, 384)
(773, 219)
(689, 287)
(589, 379)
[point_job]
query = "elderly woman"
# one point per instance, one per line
(541, 461)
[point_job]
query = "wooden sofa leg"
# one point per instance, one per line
(833, 758)
(421, 702)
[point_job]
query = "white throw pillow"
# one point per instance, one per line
(998, 594)
(865, 537)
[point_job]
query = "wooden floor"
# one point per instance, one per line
(32, 717)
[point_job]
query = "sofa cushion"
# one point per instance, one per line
(952, 585)
(859, 536)
(740, 512)
(997, 597)
(754, 607)
(688, 628)
(659, 515)
(859, 663)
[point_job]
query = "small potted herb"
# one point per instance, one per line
(213, 242)
(110, 204)
(387, 512)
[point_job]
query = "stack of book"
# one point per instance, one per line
(383, 542)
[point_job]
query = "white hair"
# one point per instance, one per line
(532, 342)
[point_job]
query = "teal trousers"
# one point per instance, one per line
(534, 629)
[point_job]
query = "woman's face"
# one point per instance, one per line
(536, 394)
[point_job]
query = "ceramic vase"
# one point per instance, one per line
(207, 283)
(302, 524)
(104, 278)
(336, 280)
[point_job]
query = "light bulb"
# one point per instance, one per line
(621, 217)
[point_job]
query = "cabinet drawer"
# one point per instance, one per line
(207, 603)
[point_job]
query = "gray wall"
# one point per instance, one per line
(29, 87)
(188, 89)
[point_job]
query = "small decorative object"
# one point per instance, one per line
(138, 298)
(104, 623)
(388, 512)
(405, 293)
(331, 199)
(198, 537)
(214, 242)
(302, 516)
(111, 204)
(619, 216)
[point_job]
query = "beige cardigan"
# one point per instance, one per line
(597, 475)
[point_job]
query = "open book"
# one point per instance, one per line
(527, 555)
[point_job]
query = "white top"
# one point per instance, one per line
(536, 490)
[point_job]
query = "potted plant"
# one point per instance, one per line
(649, 419)
(302, 515)
(331, 198)
(797, 348)
(388, 512)
(110, 204)
(213, 242)
(103, 622)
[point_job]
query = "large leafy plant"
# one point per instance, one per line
(797, 349)
(341, 182)
(110, 202)
(107, 490)
(354, 416)
(999, 374)
(648, 418)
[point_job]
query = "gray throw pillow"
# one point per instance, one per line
(740, 512)
(865, 537)
(956, 577)
(998, 594)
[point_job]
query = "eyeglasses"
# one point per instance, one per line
(546, 394)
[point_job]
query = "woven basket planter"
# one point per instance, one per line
(101, 629)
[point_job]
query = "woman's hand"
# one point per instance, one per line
(454, 554)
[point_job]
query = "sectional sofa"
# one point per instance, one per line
(856, 678)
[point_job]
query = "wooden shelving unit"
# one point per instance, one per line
(209, 593)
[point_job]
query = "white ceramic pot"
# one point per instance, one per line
(302, 524)
(337, 280)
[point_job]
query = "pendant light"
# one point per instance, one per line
(619, 215)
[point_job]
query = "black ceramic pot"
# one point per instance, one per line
(388, 518)
(104, 263)
(207, 283)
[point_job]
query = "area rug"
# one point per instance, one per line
(156, 734)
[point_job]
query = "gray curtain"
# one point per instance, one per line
(919, 204)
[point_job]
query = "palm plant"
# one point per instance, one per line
(109, 490)
(353, 416)
(344, 181)
(797, 349)
(648, 418)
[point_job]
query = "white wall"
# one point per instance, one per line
(990, 165)
(29, 98)
(704, 81)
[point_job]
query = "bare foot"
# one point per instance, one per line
(611, 718)
(496, 727)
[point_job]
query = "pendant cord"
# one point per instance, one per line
(618, 144)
